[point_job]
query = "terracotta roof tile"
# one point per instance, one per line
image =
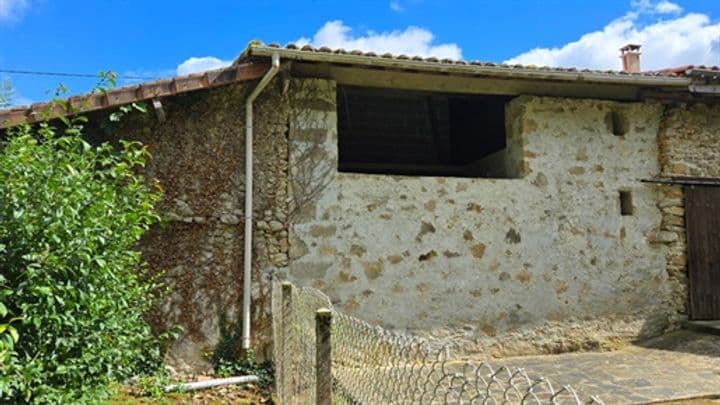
(687, 70)
(682, 71)
(247, 67)
(138, 92)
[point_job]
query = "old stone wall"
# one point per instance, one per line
(689, 141)
(689, 146)
(198, 157)
(542, 263)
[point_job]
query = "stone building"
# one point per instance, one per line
(515, 209)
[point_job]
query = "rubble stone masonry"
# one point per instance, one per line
(198, 158)
(537, 264)
(689, 146)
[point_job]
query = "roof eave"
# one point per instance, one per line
(468, 69)
(238, 72)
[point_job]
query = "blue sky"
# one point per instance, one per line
(157, 38)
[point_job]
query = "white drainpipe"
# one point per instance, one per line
(247, 273)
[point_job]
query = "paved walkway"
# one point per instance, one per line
(681, 364)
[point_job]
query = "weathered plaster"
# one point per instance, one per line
(542, 263)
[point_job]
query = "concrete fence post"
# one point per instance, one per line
(285, 335)
(323, 371)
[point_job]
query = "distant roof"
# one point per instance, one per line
(712, 72)
(253, 62)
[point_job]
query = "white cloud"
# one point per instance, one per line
(653, 7)
(396, 7)
(691, 38)
(200, 64)
(410, 41)
(12, 10)
(666, 7)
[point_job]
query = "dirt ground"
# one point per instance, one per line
(228, 394)
(680, 364)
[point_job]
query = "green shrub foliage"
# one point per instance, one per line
(228, 359)
(73, 288)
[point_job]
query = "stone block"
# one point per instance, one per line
(229, 219)
(671, 202)
(276, 226)
(679, 211)
(679, 260)
(183, 209)
(674, 220)
(680, 168)
(673, 191)
(659, 236)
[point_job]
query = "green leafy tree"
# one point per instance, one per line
(73, 289)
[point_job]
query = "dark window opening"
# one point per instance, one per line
(620, 123)
(626, 204)
(418, 133)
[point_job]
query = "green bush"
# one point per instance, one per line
(73, 289)
(228, 359)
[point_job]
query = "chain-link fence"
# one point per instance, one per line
(323, 356)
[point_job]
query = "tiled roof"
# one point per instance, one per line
(676, 72)
(139, 92)
(253, 63)
(691, 71)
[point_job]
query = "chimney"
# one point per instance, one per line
(630, 55)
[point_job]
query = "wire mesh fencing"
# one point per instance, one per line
(294, 311)
(323, 356)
